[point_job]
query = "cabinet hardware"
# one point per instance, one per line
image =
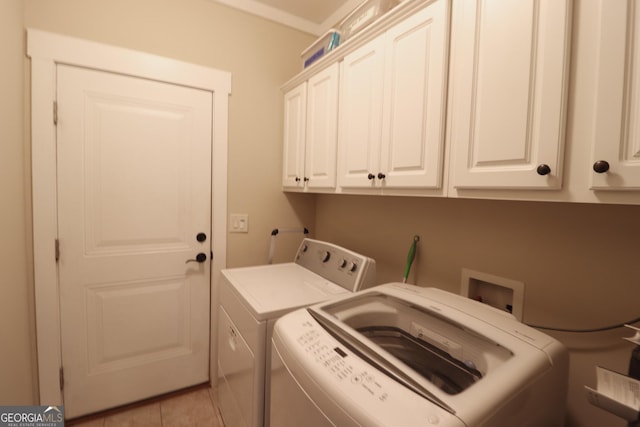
(543, 169)
(601, 166)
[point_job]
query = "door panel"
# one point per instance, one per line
(415, 86)
(163, 332)
(295, 109)
(617, 120)
(504, 84)
(322, 129)
(360, 125)
(134, 190)
(509, 83)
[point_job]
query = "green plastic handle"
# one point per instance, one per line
(410, 257)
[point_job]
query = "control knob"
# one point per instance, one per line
(325, 256)
(352, 266)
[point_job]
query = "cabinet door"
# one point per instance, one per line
(322, 129)
(359, 127)
(414, 101)
(509, 84)
(295, 102)
(617, 125)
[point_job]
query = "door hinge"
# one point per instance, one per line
(61, 378)
(55, 112)
(57, 249)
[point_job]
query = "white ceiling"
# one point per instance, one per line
(311, 16)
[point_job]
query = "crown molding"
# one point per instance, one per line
(273, 14)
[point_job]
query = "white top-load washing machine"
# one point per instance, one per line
(253, 298)
(401, 355)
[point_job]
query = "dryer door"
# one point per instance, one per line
(236, 372)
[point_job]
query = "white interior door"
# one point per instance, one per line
(134, 192)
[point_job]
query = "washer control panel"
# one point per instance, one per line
(350, 270)
(333, 359)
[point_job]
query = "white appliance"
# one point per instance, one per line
(251, 300)
(401, 355)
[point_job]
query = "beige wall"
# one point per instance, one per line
(16, 325)
(579, 263)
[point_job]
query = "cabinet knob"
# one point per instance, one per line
(381, 175)
(297, 179)
(306, 179)
(543, 169)
(371, 176)
(601, 166)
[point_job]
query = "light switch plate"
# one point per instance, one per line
(239, 223)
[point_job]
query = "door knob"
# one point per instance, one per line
(201, 237)
(201, 257)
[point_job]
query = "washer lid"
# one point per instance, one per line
(269, 291)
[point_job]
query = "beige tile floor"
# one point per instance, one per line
(192, 408)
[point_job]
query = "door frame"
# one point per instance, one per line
(46, 50)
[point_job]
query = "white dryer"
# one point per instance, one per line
(253, 298)
(401, 355)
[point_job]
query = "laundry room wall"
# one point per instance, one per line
(578, 263)
(17, 356)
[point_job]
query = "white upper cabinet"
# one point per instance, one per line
(295, 110)
(616, 145)
(310, 132)
(414, 103)
(392, 105)
(360, 118)
(322, 129)
(509, 68)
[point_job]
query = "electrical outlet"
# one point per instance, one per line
(239, 223)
